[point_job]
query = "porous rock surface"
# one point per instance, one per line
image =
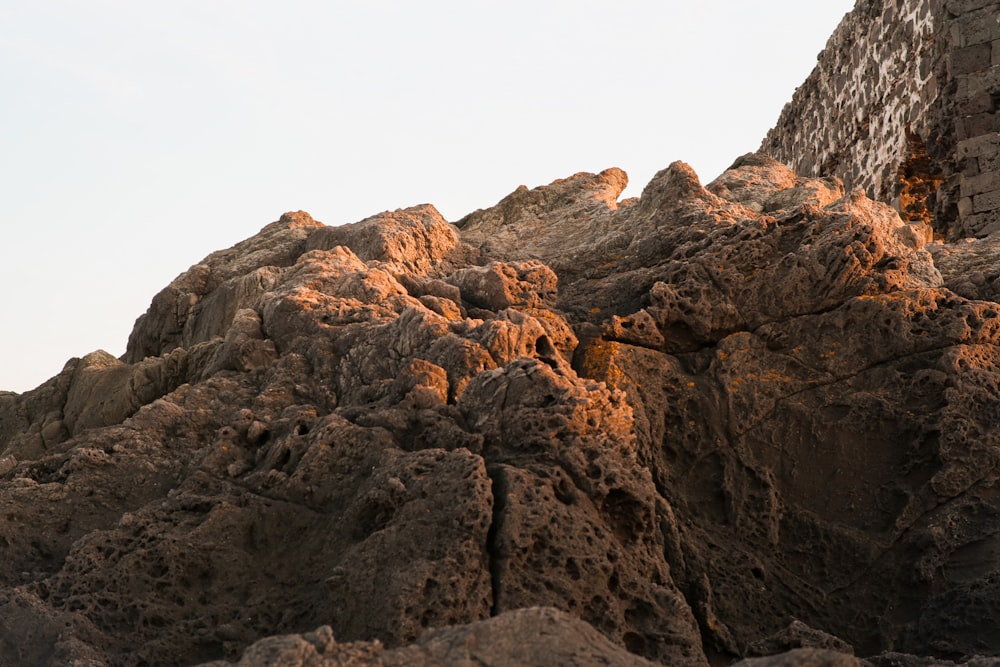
(532, 636)
(904, 103)
(749, 421)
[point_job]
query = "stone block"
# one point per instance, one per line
(981, 224)
(975, 185)
(965, 207)
(974, 126)
(968, 167)
(984, 145)
(967, 128)
(979, 83)
(988, 201)
(987, 123)
(959, 7)
(977, 26)
(996, 52)
(982, 103)
(989, 162)
(970, 59)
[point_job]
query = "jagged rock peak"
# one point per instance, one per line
(681, 419)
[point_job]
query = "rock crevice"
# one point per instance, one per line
(684, 420)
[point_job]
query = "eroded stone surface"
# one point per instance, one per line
(684, 420)
(533, 636)
(903, 103)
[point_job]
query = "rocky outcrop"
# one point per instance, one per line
(903, 103)
(705, 425)
(533, 636)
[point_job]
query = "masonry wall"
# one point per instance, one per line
(903, 103)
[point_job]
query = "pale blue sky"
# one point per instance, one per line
(137, 137)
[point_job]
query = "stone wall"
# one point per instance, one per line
(903, 103)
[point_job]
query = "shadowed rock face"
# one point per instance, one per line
(706, 425)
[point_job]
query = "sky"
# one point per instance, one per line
(138, 137)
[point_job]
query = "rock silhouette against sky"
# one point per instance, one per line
(750, 422)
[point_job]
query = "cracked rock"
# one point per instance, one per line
(566, 430)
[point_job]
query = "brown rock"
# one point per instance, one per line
(498, 285)
(798, 635)
(413, 241)
(682, 420)
(803, 657)
(583, 199)
(764, 185)
(177, 318)
(535, 636)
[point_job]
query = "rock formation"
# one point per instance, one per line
(903, 103)
(707, 424)
(753, 422)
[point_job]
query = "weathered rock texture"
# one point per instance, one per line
(903, 103)
(709, 423)
(533, 636)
